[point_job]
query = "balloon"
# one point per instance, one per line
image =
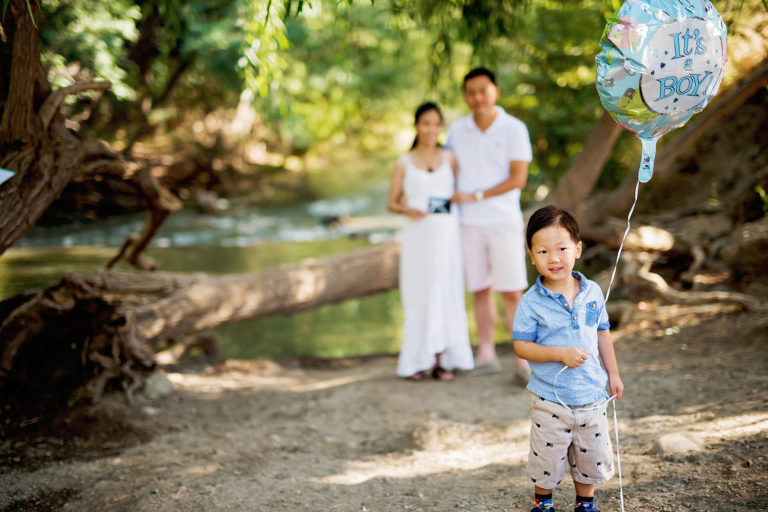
(661, 61)
(5, 175)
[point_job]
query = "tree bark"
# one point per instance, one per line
(617, 201)
(642, 238)
(25, 148)
(638, 270)
(43, 153)
(207, 341)
(577, 183)
(18, 121)
(103, 327)
(207, 301)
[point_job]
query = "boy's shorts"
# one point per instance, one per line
(494, 256)
(579, 434)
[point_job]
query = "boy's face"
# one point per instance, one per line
(554, 253)
(481, 94)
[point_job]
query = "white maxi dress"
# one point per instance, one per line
(432, 277)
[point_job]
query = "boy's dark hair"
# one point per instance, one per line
(551, 216)
(479, 72)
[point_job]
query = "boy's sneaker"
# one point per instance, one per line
(543, 507)
(585, 507)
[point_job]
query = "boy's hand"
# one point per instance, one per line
(615, 385)
(574, 357)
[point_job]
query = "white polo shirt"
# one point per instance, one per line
(484, 158)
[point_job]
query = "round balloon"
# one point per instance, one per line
(661, 61)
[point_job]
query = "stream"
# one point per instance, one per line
(245, 238)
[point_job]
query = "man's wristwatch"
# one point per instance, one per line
(479, 195)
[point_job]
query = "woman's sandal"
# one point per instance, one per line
(441, 373)
(416, 376)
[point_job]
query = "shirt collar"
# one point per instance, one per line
(543, 290)
(500, 113)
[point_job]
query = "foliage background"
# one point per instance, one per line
(332, 81)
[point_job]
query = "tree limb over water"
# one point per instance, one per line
(103, 327)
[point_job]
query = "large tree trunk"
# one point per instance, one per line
(200, 302)
(104, 326)
(617, 201)
(575, 187)
(577, 183)
(25, 147)
(33, 140)
(43, 153)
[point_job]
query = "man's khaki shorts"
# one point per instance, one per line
(578, 436)
(494, 256)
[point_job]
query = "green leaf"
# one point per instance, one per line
(29, 8)
(5, 6)
(266, 18)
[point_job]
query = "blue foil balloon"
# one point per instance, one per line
(661, 61)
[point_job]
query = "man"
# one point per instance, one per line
(493, 150)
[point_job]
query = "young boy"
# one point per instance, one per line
(561, 327)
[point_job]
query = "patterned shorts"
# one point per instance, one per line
(578, 436)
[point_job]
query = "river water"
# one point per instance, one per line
(247, 237)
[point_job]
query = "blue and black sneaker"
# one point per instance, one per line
(585, 507)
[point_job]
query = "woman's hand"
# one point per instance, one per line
(415, 214)
(574, 357)
(461, 197)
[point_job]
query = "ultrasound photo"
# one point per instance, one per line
(439, 205)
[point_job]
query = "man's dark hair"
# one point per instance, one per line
(479, 72)
(551, 216)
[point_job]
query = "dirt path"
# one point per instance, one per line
(351, 437)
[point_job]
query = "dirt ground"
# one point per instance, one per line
(347, 435)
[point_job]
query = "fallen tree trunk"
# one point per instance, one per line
(207, 301)
(208, 342)
(103, 327)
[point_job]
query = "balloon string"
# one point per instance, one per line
(592, 348)
(621, 246)
(605, 302)
(618, 455)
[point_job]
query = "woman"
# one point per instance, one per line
(435, 335)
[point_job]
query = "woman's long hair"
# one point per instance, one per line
(423, 109)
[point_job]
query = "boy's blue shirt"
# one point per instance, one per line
(546, 318)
